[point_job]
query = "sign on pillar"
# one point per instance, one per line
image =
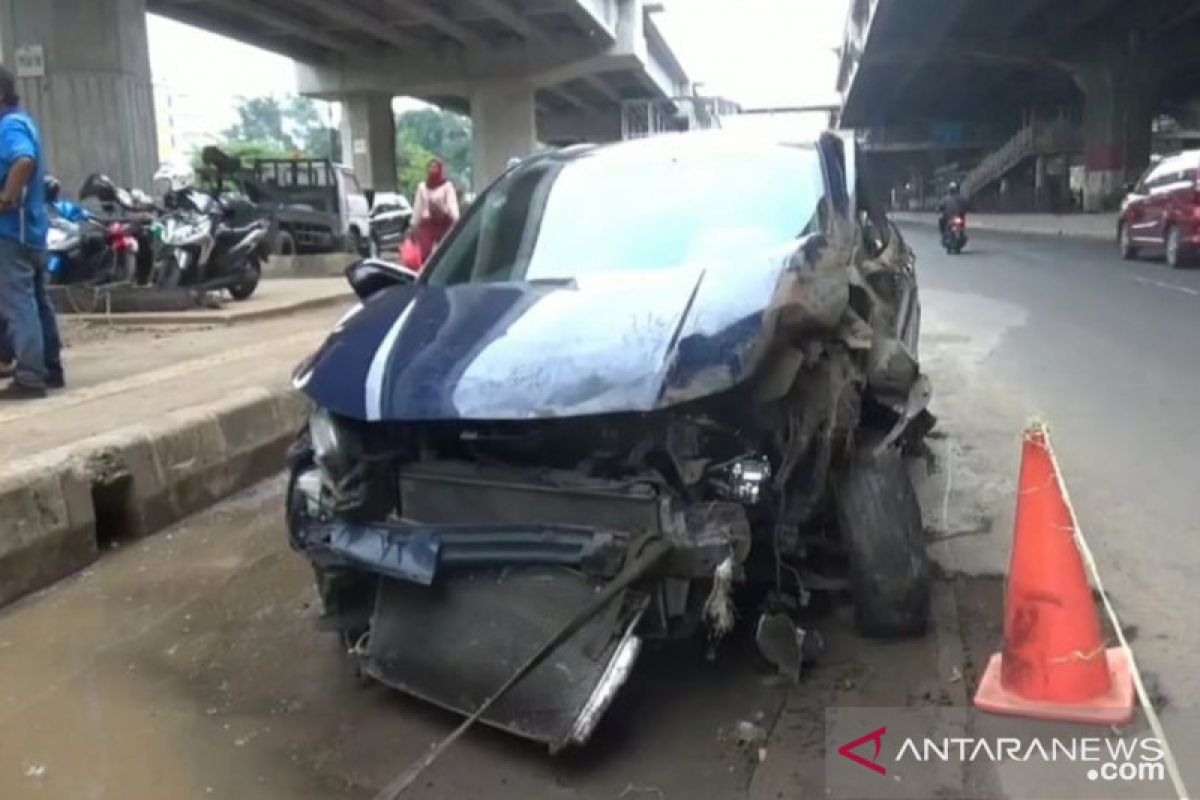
(31, 61)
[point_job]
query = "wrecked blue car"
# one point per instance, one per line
(632, 377)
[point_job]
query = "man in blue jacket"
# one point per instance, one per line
(23, 225)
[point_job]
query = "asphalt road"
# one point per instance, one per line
(1106, 351)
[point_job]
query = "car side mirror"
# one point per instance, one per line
(372, 275)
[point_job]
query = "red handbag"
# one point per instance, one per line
(410, 254)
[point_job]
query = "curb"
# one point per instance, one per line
(201, 317)
(61, 508)
(1085, 236)
(321, 265)
(947, 633)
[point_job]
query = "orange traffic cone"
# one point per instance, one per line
(1054, 664)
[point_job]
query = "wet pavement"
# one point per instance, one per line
(187, 665)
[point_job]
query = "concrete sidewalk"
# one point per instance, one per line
(155, 424)
(274, 298)
(1078, 226)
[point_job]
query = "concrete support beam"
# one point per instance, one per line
(369, 139)
(523, 26)
(360, 21)
(435, 19)
(296, 49)
(600, 16)
(504, 125)
(95, 101)
(286, 24)
(1119, 99)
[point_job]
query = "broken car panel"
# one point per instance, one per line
(691, 340)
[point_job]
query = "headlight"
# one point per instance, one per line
(333, 449)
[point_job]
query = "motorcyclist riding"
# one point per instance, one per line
(954, 204)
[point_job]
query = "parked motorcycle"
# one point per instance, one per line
(206, 241)
(954, 237)
(97, 249)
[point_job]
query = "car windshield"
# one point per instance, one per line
(612, 212)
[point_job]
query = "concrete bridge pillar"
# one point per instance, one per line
(503, 119)
(1119, 99)
(369, 139)
(86, 80)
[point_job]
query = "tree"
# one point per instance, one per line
(274, 126)
(426, 133)
(412, 161)
(261, 119)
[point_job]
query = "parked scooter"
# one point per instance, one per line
(97, 249)
(954, 237)
(203, 246)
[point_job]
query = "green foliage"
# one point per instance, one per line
(281, 126)
(426, 133)
(412, 162)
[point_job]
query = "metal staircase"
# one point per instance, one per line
(1036, 138)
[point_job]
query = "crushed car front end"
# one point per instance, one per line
(494, 450)
(447, 553)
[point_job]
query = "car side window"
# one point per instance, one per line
(1164, 173)
(1143, 182)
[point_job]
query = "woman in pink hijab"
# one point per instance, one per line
(435, 209)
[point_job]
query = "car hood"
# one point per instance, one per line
(618, 342)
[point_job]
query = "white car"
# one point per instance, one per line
(391, 214)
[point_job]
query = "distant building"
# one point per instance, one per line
(184, 126)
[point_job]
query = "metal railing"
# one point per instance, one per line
(1037, 137)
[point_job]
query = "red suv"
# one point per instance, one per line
(1162, 211)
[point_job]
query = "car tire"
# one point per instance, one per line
(169, 274)
(285, 245)
(1176, 252)
(1125, 243)
(356, 244)
(879, 517)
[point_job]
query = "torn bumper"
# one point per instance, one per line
(414, 551)
(451, 609)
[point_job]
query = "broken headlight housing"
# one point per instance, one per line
(746, 479)
(334, 447)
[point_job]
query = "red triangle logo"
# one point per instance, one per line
(876, 736)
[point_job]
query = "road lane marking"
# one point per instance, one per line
(1139, 684)
(1168, 286)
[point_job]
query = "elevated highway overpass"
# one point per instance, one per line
(987, 67)
(525, 70)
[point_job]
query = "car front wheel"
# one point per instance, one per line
(1125, 242)
(880, 520)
